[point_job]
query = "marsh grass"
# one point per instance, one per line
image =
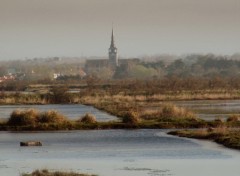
(131, 117)
(32, 117)
(23, 117)
(51, 116)
(173, 111)
(88, 118)
(164, 115)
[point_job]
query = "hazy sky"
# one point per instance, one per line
(42, 28)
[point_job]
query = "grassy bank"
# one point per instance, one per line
(86, 95)
(134, 111)
(166, 117)
(57, 173)
(227, 137)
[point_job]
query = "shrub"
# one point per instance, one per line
(88, 118)
(33, 117)
(60, 95)
(233, 118)
(51, 116)
(131, 117)
(24, 117)
(169, 111)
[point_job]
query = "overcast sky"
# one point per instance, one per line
(45, 28)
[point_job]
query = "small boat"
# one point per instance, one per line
(30, 143)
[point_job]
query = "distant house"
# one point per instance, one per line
(82, 73)
(56, 75)
(7, 78)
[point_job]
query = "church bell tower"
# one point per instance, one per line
(112, 53)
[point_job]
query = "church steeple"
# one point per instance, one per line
(112, 40)
(112, 53)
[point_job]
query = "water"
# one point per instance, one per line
(71, 111)
(211, 109)
(116, 152)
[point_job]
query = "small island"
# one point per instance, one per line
(30, 143)
(45, 172)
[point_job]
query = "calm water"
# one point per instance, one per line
(117, 153)
(211, 109)
(71, 111)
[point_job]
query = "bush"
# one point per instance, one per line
(131, 117)
(51, 116)
(88, 118)
(25, 117)
(169, 111)
(33, 117)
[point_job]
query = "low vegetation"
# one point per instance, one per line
(131, 117)
(51, 116)
(227, 137)
(132, 113)
(88, 118)
(57, 173)
(172, 112)
(32, 117)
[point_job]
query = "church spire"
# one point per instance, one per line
(112, 52)
(112, 40)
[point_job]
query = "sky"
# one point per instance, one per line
(75, 28)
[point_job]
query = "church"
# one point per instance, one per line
(112, 62)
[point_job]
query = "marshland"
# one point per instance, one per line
(121, 126)
(119, 88)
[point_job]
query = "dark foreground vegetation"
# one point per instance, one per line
(227, 137)
(57, 173)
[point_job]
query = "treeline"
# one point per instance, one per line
(46, 71)
(189, 66)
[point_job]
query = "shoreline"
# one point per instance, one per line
(122, 106)
(226, 137)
